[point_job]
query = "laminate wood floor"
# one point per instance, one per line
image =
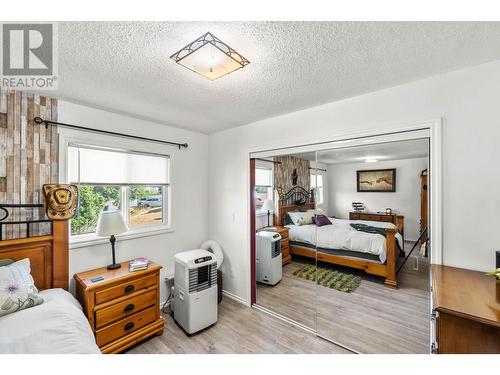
(241, 330)
(373, 319)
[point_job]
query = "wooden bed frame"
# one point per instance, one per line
(287, 202)
(48, 256)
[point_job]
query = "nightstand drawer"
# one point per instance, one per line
(122, 309)
(285, 250)
(124, 289)
(125, 326)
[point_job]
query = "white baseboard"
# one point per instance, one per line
(235, 297)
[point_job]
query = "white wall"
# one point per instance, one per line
(404, 201)
(468, 102)
(189, 193)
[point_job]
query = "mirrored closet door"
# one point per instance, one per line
(284, 213)
(372, 283)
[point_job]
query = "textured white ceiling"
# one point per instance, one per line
(126, 67)
(417, 148)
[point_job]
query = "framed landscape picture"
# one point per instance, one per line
(377, 180)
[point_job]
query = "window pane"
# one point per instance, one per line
(263, 177)
(316, 180)
(261, 194)
(94, 200)
(146, 205)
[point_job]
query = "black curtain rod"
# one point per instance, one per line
(269, 161)
(40, 121)
(318, 169)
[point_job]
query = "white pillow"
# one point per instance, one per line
(302, 218)
(319, 211)
(17, 288)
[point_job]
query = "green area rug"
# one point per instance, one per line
(329, 278)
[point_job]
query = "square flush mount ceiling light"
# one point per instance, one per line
(209, 57)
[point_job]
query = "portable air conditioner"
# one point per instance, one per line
(268, 257)
(195, 290)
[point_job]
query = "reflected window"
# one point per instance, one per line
(317, 185)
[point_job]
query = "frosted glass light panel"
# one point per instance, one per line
(209, 57)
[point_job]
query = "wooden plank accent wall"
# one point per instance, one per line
(28, 156)
(283, 172)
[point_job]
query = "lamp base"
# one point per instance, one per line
(114, 266)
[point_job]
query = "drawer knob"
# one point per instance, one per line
(129, 288)
(129, 307)
(128, 326)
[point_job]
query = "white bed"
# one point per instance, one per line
(341, 236)
(56, 326)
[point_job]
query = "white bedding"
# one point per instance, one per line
(56, 326)
(341, 236)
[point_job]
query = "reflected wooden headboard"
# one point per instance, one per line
(288, 202)
(48, 256)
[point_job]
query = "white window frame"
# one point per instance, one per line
(69, 137)
(269, 165)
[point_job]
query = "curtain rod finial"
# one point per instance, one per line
(40, 121)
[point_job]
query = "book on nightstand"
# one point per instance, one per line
(138, 264)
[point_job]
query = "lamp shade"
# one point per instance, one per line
(111, 223)
(268, 205)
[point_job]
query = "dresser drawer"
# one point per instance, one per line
(387, 219)
(369, 217)
(353, 216)
(125, 326)
(124, 289)
(122, 309)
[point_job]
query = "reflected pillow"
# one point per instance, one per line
(321, 220)
(301, 218)
(17, 288)
(5, 262)
(287, 220)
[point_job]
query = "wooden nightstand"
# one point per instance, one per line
(285, 242)
(124, 308)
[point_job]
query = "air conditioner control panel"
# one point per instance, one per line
(202, 259)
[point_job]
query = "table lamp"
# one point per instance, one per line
(111, 223)
(268, 205)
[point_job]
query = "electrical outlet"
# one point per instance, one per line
(169, 281)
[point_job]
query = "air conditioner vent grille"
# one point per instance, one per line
(202, 278)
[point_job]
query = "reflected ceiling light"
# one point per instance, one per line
(209, 57)
(371, 160)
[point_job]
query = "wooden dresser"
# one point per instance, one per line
(466, 311)
(285, 242)
(372, 217)
(123, 309)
